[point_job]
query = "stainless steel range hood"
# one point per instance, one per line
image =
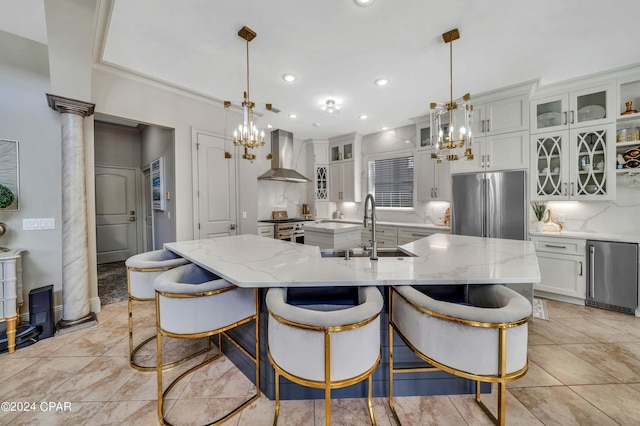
(282, 160)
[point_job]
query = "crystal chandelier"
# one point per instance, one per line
(451, 121)
(247, 134)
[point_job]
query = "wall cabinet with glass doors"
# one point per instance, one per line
(576, 108)
(574, 164)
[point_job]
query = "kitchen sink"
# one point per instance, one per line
(360, 252)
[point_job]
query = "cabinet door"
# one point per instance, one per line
(506, 115)
(425, 184)
(562, 274)
(509, 151)
(321, 183)
(348, 181)
(549, 171)
(592, 163)
(321, 153)
(592, 106)
(550, 114)
(335, 182)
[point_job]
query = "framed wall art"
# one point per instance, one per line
(157, 184)
(9, 175)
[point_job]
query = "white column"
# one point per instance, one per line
(75, 262)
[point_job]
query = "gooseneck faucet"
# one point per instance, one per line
(374, 243)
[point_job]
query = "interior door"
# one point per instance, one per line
(116, 233)
(216, 192)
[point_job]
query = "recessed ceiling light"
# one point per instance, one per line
(292, 115)
(364, 2)
(381, 81)
(384, 128)
(362, 116)
(289, 78)
(407, 141)
(269, 126)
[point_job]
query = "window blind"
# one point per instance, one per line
(391, 181)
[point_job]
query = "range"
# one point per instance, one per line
(287, 228)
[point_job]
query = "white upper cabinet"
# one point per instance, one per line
(433, 178)
(574, 164)
(576, 108)
(344, 169)
(501, 116)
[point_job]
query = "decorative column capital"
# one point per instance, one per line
(71, 106)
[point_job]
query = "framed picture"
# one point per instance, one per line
(157, 184)
(9, 175)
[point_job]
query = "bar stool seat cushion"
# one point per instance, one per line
(301, 351)
(141, 283)
(226, 303)
(460, 346)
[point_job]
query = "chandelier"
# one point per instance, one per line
(331, 107)
(247, 134)
(451, 121)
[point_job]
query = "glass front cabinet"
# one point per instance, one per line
(576, 164)
(578, 108)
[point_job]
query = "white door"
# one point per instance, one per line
(216, 191)
(147, 211)
(116, 234)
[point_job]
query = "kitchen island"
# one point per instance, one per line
(440, 259)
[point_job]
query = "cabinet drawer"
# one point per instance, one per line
(265, 231)
(413, 234)
(387, 241)
(560, 245)
(1, 272)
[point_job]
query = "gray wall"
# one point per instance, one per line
(158, 142)
(117, 145)
(25, 117)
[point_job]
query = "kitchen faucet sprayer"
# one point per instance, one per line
(374, 243)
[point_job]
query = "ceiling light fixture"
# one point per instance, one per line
(362, 117)
(292, 115)
(364, 2)
(453, 137)
(384, 128)
(289, 78)
(331, 107)
(381, 82)
(247, 135)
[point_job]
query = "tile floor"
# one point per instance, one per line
(584, 370)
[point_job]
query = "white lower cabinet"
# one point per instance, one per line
(266, 230)
(409, 235)
(562, 263)
(386, 236)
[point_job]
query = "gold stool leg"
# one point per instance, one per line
(275, 417)
(11, 334)
(370, 402)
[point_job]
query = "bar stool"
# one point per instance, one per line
(142, 269)
(192, 303)
(324, 346)
(484, 340)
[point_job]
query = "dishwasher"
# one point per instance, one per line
(612, 275)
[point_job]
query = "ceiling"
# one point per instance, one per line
(337, 49)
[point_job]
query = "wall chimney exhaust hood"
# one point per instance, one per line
(282, 159)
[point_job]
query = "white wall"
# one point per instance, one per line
(26, 118)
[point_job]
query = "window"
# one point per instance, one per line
(391, 181)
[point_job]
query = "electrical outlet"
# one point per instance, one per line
(244, 215)
(562, 217)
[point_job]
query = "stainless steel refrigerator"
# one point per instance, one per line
(490, 204)
(612, 277)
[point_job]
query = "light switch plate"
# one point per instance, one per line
(38, 224)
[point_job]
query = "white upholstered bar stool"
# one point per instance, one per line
(142, 269)
(318, 347)
(192, 303)
(483, 340)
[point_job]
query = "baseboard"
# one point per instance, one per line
(94, 306)
(559, 297)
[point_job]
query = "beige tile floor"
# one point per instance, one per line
(584, 370)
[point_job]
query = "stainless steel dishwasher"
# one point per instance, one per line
(612, 275)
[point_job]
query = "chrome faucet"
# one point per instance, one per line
(374, 243)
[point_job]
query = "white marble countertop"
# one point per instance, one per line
(588, 236)
(253, 261)
(398, 224)
(333, 227)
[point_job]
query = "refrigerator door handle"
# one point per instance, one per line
(592, 270)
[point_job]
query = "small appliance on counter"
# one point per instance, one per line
(305, 212)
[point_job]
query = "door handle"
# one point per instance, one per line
(564, 117)
(232, 226)
(592, 271)
(572, 188)
(572, 117)
(488, 125)
(488, 161)
(132, 219)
